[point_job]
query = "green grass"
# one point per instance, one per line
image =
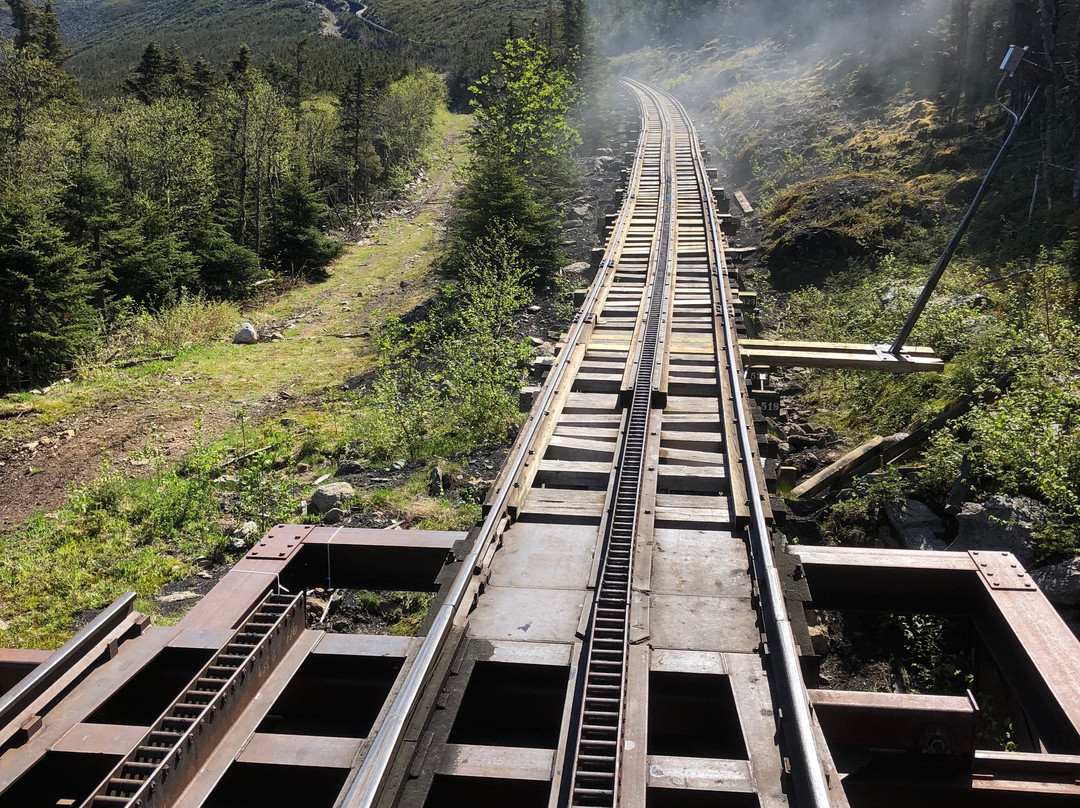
(307, 361)
(122, 532)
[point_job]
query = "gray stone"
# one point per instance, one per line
(1002, 523)
(808, 441)
(399, 464)
(236, 544)
(247, 335)
(333, 516)
(576, 267)
(536, 341)
(533, 309)
(581, 211)
(348, 467)
(919, 527)
(176, 597)
(1060, 582)
(276, 337)
(435, 482)
(329, 496)
(545, 349)
(247, 531)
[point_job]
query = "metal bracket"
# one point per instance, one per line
(1002, 571)
(280, 543)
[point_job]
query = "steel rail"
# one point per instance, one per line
(809, 773)
(42, 677)
(368, 783)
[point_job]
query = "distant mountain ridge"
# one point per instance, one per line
(107, 36)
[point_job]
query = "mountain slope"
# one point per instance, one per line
(108, 36)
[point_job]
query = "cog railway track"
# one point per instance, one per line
(624, 628)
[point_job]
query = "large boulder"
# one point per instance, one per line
(247, 335)
(1002, 523)
(1060, 582)
(918, 527)
(332, 495)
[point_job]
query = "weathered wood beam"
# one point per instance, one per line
(838, 355)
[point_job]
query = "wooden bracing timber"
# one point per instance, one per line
(773, 353)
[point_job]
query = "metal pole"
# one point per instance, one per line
(954, 242)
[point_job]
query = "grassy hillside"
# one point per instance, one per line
(456, 24)
(107, 37)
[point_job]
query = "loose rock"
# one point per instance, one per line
(1060, 582)
(176, 597)
(1002, 523)
(333, 516)
(346, 467)
(247, 531)
(919, 527)
(247, 335)
(330, 496)
(435, 482)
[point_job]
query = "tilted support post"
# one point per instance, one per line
(954, 242)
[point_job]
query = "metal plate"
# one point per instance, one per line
(543, 556)
(536, 615)
(700, 562)
(1001, 570)
(279, 543)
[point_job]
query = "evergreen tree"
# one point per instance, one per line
(357, 114)
(159, 74)
(295, 244)
(498, 198)
(52, 46)
(45, 317)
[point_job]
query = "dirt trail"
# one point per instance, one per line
(162, 410)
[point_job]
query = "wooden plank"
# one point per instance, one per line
(700, 774)
(634, 769)
(824, 478)
(827, 347)
(799, 359)
(590, 433)
(691, 457)
(566, 473)
(694, 441)
(704, 476)
(753, 702)
(511, 762)
(743, 202)
(740, 500)
(564, 448)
